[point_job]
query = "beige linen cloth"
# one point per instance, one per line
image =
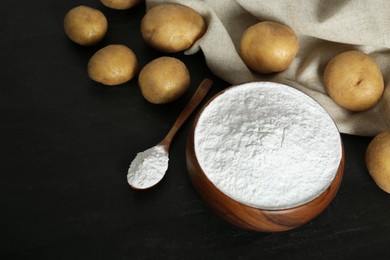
(324, 28)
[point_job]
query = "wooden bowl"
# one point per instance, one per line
(249, 217)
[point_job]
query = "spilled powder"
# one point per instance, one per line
(267, 145)
(148, 167)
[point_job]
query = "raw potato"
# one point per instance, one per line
(120, 4)
(164, 80)
(268, 47)
(113, 65)
(85, 25)
(172, 27)
(378, 160)
(353, 80)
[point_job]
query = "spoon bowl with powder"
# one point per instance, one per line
(265, 156)
(149, 167)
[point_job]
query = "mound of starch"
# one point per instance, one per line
(267, 145)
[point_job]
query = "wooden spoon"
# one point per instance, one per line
(149, 167)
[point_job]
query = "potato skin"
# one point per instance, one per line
(268, 47)
(164, 80)
(120, 4)
(85, 25)
(172, 27)
(378, 160)
(353, 80)
(113, 65)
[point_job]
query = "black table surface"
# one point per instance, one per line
(67, 142)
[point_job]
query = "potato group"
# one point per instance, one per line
(172, 27)
(163, 80)
(378, 160)
(353, 80)
(268, 47)
(85, 25)
(120, 4)
(113, 65)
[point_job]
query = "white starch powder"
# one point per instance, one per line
(148, 167)
(267, 145)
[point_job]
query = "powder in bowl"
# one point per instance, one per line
(267, 145)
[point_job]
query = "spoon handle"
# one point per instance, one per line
(200, 93)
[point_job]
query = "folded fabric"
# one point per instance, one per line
(324, 29)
